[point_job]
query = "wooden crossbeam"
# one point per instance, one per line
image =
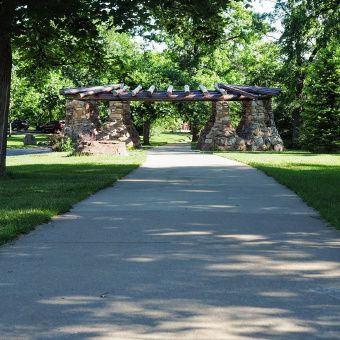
(269, 91)
(169, 90)
(177, 96)
(203, 90)
(219, 90)
(136, 90)
(91, 89)
(151, 90)
(236, 90)
(118, 92)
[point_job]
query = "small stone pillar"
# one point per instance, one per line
(78, 118)
(120, 126)
(257, 126)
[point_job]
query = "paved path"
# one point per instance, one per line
(189, 246)
(30, 151)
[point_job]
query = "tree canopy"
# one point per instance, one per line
(51, 33)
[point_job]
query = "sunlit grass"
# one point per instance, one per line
(16, 141)
(314, 177)
(167, 137)
(38, 187)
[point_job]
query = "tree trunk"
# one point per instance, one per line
(5, 86)
(299, 109)
(195, 133)
(146, 133)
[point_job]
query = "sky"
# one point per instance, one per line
(262, 6)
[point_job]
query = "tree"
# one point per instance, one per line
(308, 27)
(320, 130)
(51, 33)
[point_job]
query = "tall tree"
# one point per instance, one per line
(50, 33)
(320, 130)
(308, 26)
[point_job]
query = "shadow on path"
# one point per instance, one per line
(189, 246)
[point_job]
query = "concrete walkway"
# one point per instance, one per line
(30, 151)
(189, 246)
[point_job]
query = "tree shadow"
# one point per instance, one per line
(171, 256)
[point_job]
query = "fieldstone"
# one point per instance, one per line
(101, 148)
(29, 139)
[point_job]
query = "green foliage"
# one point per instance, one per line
(321, 117)
(308, 26)
(60, 143)
(159, 125)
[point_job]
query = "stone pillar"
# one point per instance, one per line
(78, 119)
(222, 135)
(120, 126)
(207, 128)
(257, 126)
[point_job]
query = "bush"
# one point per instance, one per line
(60, 143)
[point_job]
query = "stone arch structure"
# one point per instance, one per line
(255, 132)
(82, 118)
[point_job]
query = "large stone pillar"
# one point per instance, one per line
(120, 126)
(207, 128)
(257, 126)
(222, 135)
(256, 131)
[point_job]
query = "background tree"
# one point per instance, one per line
(307, 27)
(320, 130)
(51, 33)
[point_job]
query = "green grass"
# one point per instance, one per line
(16, 141)
(38, 187)
(314, 177)
(165, 138)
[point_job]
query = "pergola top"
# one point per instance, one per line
(221, 92)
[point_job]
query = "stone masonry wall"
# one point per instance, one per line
(256, 131)
(120, 126)
(82, 118)
(257, 126)
(207, 128)
(78, 118)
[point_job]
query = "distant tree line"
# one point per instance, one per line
(46, 46)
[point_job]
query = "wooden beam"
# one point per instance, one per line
(136, 90)
(89, 89)
(219, 90)
(116, 93)
(151, 90)
(177, 96)
(238, 91)
(203, 90)
(186, 90)
(89, 93)
(169, 90)
(267, 91)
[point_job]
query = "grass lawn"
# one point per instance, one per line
(314, 177)
(16, 141)
(38, 187)
(167, 137)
